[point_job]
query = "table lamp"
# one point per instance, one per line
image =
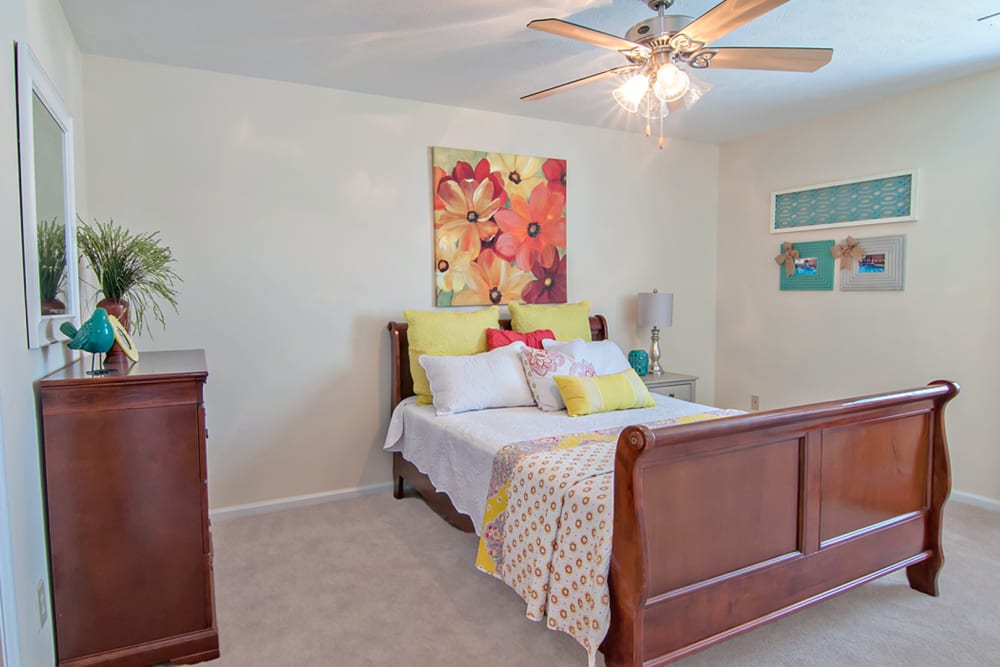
(655, 310)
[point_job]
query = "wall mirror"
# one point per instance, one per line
(48, 203)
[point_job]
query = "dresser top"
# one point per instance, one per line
(179, 363)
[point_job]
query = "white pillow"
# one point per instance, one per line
(605, 355)
(541, 367)
(492, 379)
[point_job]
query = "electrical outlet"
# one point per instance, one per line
(43, 604)
(754, 402)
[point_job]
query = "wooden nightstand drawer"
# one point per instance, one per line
(674, 385)
(679, 391)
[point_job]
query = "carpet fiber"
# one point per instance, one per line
(378, 581)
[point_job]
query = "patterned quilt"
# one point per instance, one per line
(547, 527)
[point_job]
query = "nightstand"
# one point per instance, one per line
(674, 385)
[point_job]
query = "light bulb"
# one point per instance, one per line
(671, 82)
(630, 93)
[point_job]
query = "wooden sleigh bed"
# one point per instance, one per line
(721, 526)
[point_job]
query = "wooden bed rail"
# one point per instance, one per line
(721, 526)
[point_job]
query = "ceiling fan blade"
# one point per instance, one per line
(589, 35)
(578, 82)
(773, 58)
(727, 16)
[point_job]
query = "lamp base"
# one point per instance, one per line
(654, 353)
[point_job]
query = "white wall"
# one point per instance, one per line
(43, 26)
(792, 347)
(300, 217)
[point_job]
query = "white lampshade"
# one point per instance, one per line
(655, 309)
(671, 83)
(632, 92)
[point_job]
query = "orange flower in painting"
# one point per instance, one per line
(490, 280)
(530, 227)
(439, 173)
(468, 208)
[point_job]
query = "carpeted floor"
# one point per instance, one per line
(376, 581)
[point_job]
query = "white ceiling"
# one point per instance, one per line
(478, 54)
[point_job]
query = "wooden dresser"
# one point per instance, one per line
(127, 502)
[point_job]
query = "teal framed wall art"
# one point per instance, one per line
(814, 267)
(867, 201)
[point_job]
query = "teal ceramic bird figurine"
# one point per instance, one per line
(95, 336)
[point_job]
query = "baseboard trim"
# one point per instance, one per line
(978, 501)
(291, 502)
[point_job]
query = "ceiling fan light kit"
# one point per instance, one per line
(662, 51)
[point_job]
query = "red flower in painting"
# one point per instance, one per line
(463, 171)
(529, 227)
(549, 285)
(555, 174)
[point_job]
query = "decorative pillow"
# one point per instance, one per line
(445, 332)
(541, 366)
(499, 337)
(603, 393)
(567, 321)
(478, 381)
(605, 355)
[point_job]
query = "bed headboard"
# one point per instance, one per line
(399, 355)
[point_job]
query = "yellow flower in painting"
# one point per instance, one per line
(521, 173)
(452, 262)
(491, 280)
(468, 209)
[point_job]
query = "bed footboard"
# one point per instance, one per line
(724, 525)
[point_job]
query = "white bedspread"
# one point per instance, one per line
(456, 451)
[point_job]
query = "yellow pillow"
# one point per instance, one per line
(585, 395)
(444, 332)
(567, 321)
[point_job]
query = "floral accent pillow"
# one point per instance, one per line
(540, 369)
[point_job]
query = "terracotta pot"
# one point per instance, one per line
(53, 307)
(118, 308)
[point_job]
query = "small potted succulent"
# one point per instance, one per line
(134, 273)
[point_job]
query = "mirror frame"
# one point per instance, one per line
(31, 82)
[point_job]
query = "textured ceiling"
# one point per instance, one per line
(476, 54)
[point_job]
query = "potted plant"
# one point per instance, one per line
(133, 272)
(51, 265)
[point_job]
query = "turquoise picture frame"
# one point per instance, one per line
(814, 269)
(870, 200)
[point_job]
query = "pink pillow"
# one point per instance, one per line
(500, 337)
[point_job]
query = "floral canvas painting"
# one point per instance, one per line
(499, 228)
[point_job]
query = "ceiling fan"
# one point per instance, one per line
(661, 50)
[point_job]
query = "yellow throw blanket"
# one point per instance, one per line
(547, 527)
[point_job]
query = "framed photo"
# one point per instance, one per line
(869, 201)
(880, 267)
(814, 267)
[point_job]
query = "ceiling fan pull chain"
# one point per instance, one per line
(661, 133)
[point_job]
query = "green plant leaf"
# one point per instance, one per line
(135, 267)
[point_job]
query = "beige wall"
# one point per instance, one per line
(43, 26)
(300, 217)
(791, 347)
